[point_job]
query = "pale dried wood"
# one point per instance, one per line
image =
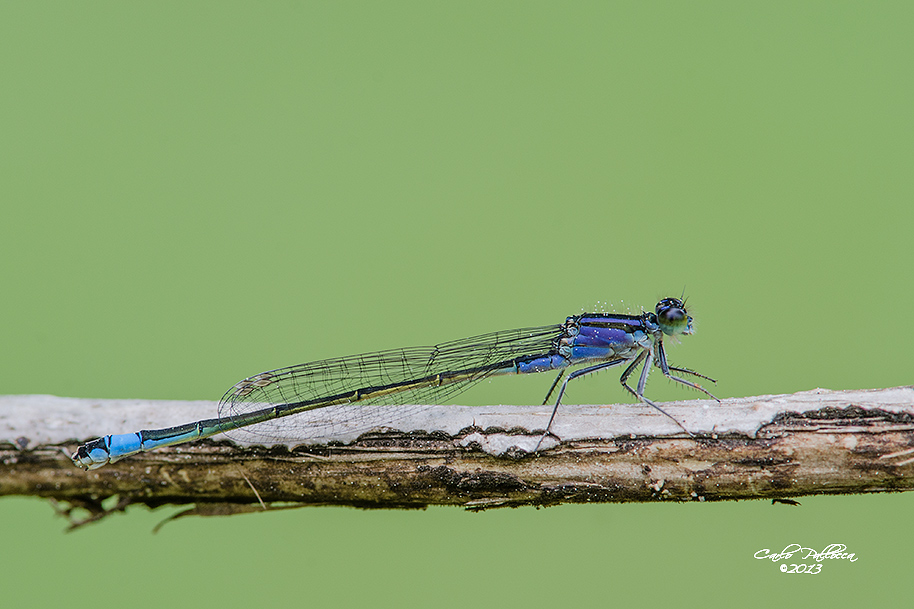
(773, 447)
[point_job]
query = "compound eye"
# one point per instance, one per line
(672, 316)
(669, 303)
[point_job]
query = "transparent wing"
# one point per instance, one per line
(331, 378)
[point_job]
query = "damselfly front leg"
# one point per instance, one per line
(646, 356)
(666, 368)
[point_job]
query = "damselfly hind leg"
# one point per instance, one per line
(573, 375)
(555, 384)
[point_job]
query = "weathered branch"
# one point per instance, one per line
(780, 446)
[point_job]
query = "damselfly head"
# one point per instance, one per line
(672, 317)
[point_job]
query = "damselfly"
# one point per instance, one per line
(430, 375)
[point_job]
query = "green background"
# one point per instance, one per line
(194, 192)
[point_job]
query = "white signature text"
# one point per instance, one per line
(834, 551)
